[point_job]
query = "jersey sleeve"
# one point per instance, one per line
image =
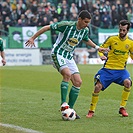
(59, 26)
(1, 45)
(86, 37)
(106, 44)
(131, 52)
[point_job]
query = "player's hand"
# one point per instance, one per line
(103, 50)
(30, 43)
(3, 62)
(103, 57)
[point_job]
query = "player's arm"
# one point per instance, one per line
(30, 42)
(92, 44)
(131, 53)
(107, 43)
(102, 55)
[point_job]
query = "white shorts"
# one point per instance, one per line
(59, 62)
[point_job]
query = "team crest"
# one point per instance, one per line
(126, 46)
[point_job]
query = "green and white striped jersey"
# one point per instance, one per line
(1, 45)
(69, 37)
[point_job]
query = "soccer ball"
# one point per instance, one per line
(68, 114)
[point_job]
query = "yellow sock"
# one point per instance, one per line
(125, 95)
(94, 101)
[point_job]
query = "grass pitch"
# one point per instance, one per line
(30, 100)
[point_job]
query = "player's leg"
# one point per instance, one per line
(124, 80)
(74, 92)
(101, 80)
(61, 66)
(94, 100)
(76, 81)
(125, 96)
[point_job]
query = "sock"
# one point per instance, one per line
(64, 90)
(95, 97)
(73, 95)
(125, 95)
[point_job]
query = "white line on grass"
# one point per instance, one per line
(19, 128)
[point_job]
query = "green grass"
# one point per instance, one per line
(30, 98)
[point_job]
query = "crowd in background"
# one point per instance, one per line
(19, 13)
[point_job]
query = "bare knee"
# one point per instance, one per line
(76, 80)
(66, 74)
(77, 83)
(66, 77)
(98, 87)
(127, 83)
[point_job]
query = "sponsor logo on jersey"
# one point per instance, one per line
(119, 52)
(72, 41)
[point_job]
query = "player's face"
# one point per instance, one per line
(123, 31)
(83, 23)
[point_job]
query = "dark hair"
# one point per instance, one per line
(125, 22)
(84, 14)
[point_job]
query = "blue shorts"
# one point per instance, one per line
(108, 76)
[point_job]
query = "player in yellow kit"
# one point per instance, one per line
(114, 69)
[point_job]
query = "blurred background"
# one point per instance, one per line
(20, 19)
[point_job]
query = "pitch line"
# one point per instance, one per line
(26, 130)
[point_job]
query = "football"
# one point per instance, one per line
(68, 114)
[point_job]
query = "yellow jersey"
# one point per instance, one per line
(119, 52)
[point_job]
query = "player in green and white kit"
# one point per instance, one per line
(2, 53)
(71, 33)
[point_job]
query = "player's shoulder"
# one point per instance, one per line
(112, 37)
(68, 23)
(131, 39)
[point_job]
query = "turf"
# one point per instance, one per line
(30, 98)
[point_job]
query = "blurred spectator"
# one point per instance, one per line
(96, 19)
(65, 14)
(82, 5)
(19, 23)
(14, 17)
(106, 20)
(7, 23)
(48, 15)
(130, 16)
(34, 7)
(119, 9)
(24, 20)
(1, 27)
(54, 12)
(102, 9)
(59, 9)
(20, 11)
(44, 21)
(33, 21)
(114, 16)
(74, 17)
(125, 10)
(64, 3)
(5, 11)
(28, 14)
(94, 8)
(21, 4)
(73, 9)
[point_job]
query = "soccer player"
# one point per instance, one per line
(71, 33)
(114, 69)
(2, 53)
